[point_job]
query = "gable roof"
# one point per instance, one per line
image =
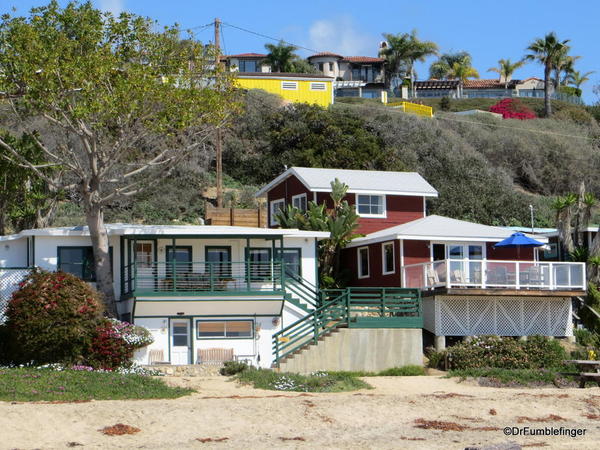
(358, 181)
(432, 228)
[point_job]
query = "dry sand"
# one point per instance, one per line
(379, 418)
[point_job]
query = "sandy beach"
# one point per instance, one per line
(223, 414)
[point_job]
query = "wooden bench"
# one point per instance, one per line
(214, 356)
(156, 357)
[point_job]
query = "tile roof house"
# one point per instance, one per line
(356, 76)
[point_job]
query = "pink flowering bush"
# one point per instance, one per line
(51, 318)
(114, 343)
(511, 108)
(55, 317)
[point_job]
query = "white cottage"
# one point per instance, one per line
(200, 290)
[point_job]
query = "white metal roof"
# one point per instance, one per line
(358, 181)
(439, 228)
(123, 229)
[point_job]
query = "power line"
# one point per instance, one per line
(270, 37)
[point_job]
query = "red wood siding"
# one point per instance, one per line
(399, 209)
(416, 252)
(287, 189)
(376, 277)
(508, 254)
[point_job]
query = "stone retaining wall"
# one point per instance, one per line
(197, 370)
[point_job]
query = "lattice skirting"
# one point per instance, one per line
(503, 316)
(9, 282)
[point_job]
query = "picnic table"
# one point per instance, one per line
(589, 370)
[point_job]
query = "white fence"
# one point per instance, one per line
(483, 274)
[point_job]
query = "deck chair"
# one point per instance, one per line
(432, 277)
(457, 276)
(535, 276)
(497, 275)
(214, 356)
(156, 356)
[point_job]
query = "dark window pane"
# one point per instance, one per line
(388, 257)
(180, 340)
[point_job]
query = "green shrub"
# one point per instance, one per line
(52, 318)
(436, 359)
(586, 338)
(506, 353)
(231, 368)
(543, 352)
(445, 104)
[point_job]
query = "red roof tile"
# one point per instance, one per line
(316, 55)
(488, 84)
(363, 59)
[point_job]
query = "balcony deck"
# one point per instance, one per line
(214, 279)
(495, 277)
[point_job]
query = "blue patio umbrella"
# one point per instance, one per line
(518, 240)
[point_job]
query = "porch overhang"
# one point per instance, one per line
(209, 306)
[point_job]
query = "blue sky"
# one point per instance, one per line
(489, 30)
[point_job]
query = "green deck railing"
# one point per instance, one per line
(203, 277)
(353, 308)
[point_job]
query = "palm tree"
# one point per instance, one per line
(564, 64)
(401, 53)
(505, 69)
(547, 51)
(576, 78)
(440, 68)
(281, 57)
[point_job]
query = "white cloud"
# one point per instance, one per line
(341, 35)
(112, 6)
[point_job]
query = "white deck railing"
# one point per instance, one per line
(483, 274)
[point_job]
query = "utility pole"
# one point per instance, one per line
(218, 139)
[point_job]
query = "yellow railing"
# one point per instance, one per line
(413, 108)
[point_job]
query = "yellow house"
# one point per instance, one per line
(293, 87)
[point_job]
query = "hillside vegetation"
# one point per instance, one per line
(485, 169)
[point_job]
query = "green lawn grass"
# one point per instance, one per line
(29, 384)
(318, 382)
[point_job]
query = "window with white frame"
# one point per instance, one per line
(318, 87)
(276, 206)
(299, 201)
(363, 262)
(368, 205)
(387, 254)
(289, 85)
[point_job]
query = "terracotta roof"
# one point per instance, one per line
(363, 59)
(247, 55)
(316, 55)
(488, 84)
(437, 84)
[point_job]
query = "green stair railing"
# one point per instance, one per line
(353, 308)
(303, 290)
